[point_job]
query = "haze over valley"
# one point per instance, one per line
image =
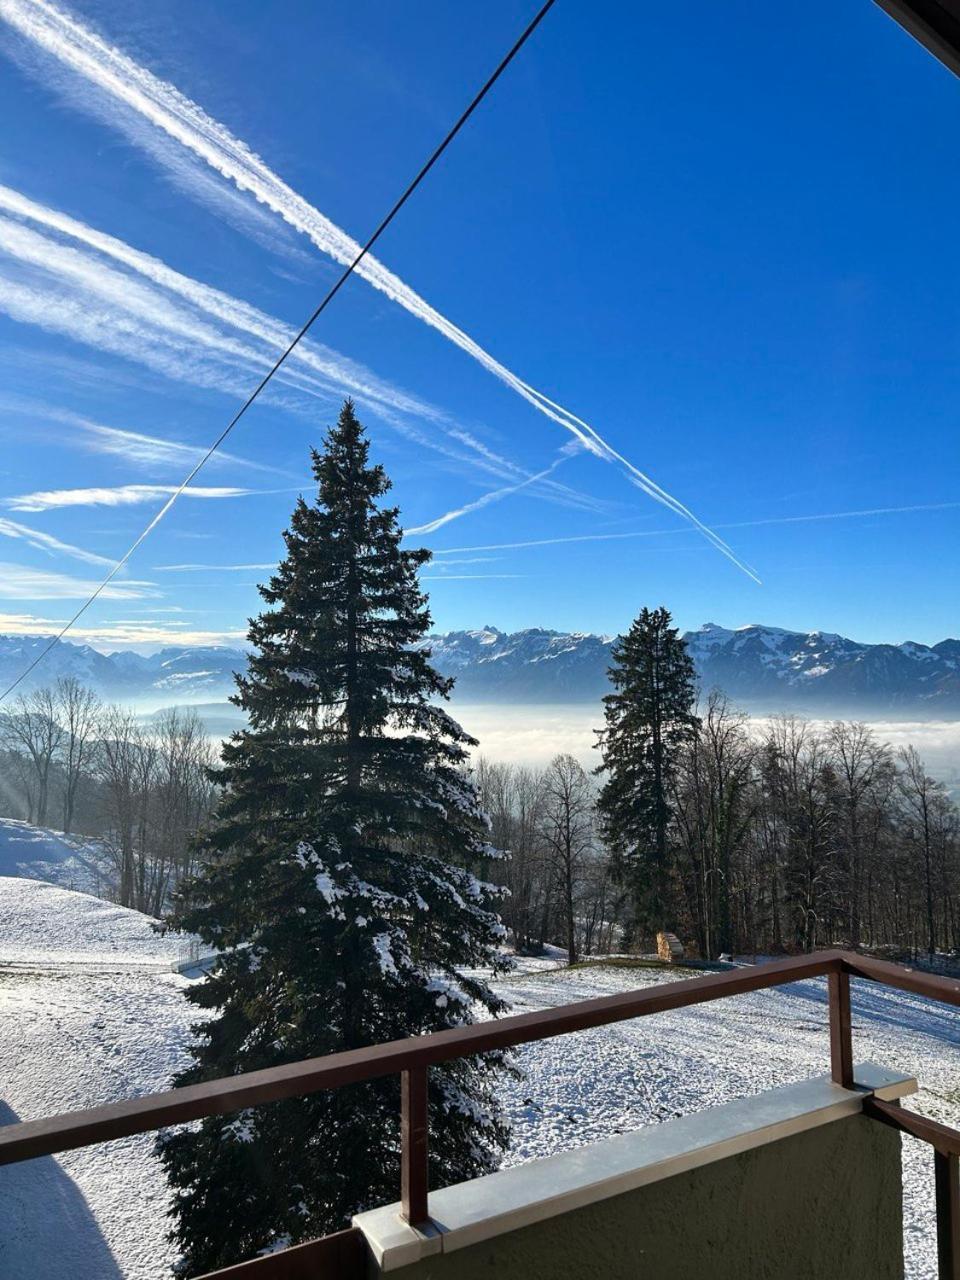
(529, 694)
(764, 669)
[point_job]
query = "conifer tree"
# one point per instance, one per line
(648, 717)
(338, 887)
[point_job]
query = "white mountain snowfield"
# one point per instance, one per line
(87, 1016)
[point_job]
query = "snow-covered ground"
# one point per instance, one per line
(73, 862)
(67, 1041)
(89, 1013)
(42, 924)
(73, 1037)
(584, 1087)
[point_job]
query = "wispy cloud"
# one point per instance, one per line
(75, 280)
(113, 635)
(20, 583)
(125, 495)
(114, 76)
(151, 452)
(738, 524)
(46, 542)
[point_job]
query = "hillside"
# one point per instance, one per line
(765, 669)
(72, 862)
(39, 920)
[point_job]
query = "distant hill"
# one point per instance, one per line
(765, 669)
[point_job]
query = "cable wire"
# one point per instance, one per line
(331, 294)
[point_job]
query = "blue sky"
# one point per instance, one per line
(724, 244)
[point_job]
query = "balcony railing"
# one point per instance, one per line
(412, 1059)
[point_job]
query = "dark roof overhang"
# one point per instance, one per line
(935, 23)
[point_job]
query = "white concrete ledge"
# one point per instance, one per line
(473, 1211)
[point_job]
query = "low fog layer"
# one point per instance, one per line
(534, 734)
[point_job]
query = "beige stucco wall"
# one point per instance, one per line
(823, 1205)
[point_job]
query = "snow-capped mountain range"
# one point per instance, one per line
(762, 668)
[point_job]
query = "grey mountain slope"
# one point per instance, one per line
(765, 669)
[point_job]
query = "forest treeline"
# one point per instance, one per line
(784, 836)
(781, 838)
(142, 789)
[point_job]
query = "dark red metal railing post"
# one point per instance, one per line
(841, 1040)
(414, 1140)
(947, 1173)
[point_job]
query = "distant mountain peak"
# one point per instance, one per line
(763, 668)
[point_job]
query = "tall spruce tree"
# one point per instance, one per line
(338, 887)
(649, 717)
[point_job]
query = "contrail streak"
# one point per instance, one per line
(146, 320)
(486, 499)
(125, 495)
(113, 73)
(47, 542)
(737, 524)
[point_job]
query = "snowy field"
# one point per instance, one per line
(75, 1034)
(586, 1086)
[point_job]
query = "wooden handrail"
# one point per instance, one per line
(32, 1138)
(411, 1059)
(940, 1136)
(946, 990)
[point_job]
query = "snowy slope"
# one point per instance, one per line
(89, 1013)
(42, 924)
(67, 1041)
(73, 862)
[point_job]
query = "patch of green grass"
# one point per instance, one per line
(622, 962)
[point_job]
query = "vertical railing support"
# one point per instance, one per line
(841, 1040)
(947, 1174)
(414, 1145)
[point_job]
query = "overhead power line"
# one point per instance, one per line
(261, 385)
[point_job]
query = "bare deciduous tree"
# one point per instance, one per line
(78, 711)
(568, 829)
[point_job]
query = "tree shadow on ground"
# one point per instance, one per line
(46, 1226)
(873, 1002)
